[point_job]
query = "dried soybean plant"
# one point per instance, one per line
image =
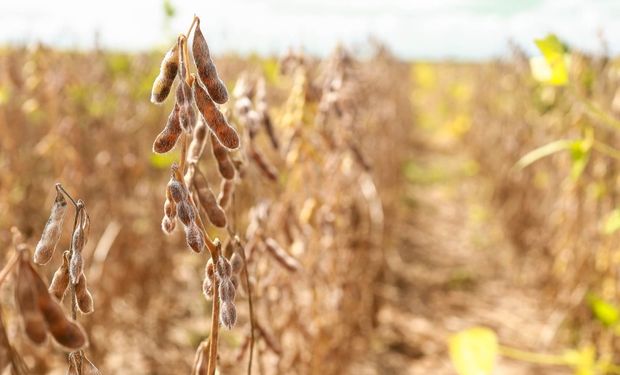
(70, 275)
(194, 121)
(305, 237)
(40, 306)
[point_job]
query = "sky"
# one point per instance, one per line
(415, 29)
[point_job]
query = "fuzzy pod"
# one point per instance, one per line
(60, 280)
(168, 137)
(83, 297)
(199, 140)
(223, 269)
(207, 200)
(236, 262)
(227, 291)
(52, 231)
(177, 191)
(168, 225)
(76, 266)
(66, 332)
(78, 239)
(227, 188)
(170, 208)
(186, 213)
(279, 254)
(194, 237)
(263, 165)
(207, 287)
(167, 74)
(26, 299)
(224, 165)
(206, 68)
(209, 269)
(185, 101)
(207, 284)
(225, 133)
(228, 314)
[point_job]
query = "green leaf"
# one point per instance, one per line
(606, 312)
(543, 151)
(474, 351)
(555, 57)
(612, 222)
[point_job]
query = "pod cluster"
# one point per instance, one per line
(177, 194)
(40, 305)
(41, 313)
(194, 93)
(227, 273)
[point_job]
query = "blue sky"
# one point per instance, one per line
(435, 29)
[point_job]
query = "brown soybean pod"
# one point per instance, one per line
(196, 147)
(227, 291)
(186, 213)
(226, 134)
(83, 296)
(76, 266)
(261, 107)
(168, 137)
(227, 187)
(26, 298)
(185, 102)
(167, 74)
(168, 225)
(271, 341)
(267, 169)
(207, 200)
(60, 280)
(66, 332)
(228, 314)
(206, 68)
(52, 231)
(177, 192)
(194, 237)
(281, 255)
(236, 263)
(224, 165)
(78, 239)
(201, 360)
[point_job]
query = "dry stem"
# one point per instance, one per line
(9, 267)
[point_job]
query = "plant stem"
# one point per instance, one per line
(538, 358)
(62, 190)
(9, 267)
(215, 322)
(249, 287)
(606, 149)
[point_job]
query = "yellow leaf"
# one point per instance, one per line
(556, 71)
(473, 351)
